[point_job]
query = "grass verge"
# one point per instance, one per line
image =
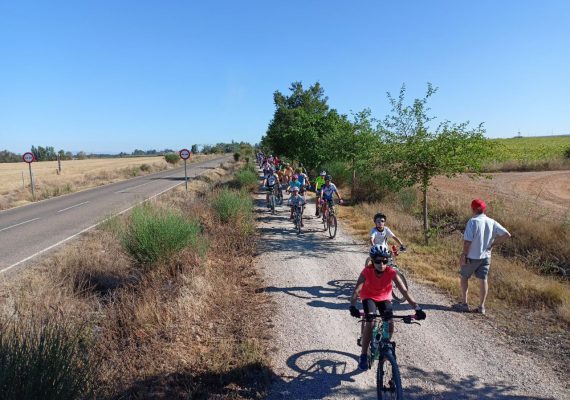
(187, 325)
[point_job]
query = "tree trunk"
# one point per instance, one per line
(353, 179)
(425, 184)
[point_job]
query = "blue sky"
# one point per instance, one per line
(111, 75)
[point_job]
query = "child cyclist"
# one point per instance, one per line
(271, 179)
(374, 286)
(296, 200)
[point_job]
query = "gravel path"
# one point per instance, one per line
(451, 356)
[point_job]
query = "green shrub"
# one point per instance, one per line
(567, 153)
(155, 234)
(145, 167)
(172, 158)
(246, 178)
(44, 360)
(341, 174)
(236, 156)
(231, 204)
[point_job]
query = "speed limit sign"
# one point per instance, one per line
(184, 154)
(28, 157)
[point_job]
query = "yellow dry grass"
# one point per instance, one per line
(75, 175)
(46, 171)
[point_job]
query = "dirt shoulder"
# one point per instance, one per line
(451, 356)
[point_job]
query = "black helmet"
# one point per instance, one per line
(379, 251)
(379, 215)
(328, 178)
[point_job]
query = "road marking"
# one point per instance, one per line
(133, 187)
(84, 230)
(69, 208)
(21, 223)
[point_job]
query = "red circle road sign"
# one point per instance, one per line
(28, 157)
(185, 154)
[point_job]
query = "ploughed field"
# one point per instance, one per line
(543, 193)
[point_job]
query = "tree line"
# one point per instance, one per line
(406, 148)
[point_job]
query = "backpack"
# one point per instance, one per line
(271, 180)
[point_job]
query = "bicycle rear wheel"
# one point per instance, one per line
(326, 222)
(332, 226)
(388, 381)
(397, 296)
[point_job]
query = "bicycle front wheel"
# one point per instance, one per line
(332, 226)
(388, 381)
(272, 200)
(397, 296)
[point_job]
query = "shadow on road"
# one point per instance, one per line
(339, 290)
(449, 387)
(318, 374)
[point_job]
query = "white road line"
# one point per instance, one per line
(21, 223)
(69, 208)
(133, 187)
(84, 230)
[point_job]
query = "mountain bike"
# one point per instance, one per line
(278, 193)
(381, 349)
(397, 296)
(297, 215)
(272, 199)
(329, 217)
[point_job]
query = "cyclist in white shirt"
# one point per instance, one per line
(381, 233)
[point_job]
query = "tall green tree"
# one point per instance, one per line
(302, 125)
(418, 153)
(356, 144)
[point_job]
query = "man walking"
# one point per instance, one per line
(481, 235)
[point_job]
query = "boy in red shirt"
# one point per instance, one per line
(374, 285)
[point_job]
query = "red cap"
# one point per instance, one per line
(478, 205)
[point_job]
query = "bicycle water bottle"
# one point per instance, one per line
(385, 330)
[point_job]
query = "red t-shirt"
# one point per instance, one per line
(377, 287)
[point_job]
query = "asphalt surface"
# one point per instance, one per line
(31, 231)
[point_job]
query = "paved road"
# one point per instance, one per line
(30, 231)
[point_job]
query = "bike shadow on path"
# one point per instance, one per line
(448, 387)
(318, 374)
(339, 290)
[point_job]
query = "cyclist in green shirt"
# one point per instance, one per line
(319, 181)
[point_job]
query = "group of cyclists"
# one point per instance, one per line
(375, 282)
(297, 184)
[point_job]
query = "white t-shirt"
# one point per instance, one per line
(328, 191)
(381, 237)
(481, 231)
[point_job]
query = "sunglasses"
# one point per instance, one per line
(380, 221)
(381, 261)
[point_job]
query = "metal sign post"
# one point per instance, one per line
(185, 155)
(29, 158)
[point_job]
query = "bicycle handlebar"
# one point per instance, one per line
(407, 319)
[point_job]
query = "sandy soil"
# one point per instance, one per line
(451, 356)
(538, 190)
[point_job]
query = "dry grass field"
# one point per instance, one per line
(75, 175)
